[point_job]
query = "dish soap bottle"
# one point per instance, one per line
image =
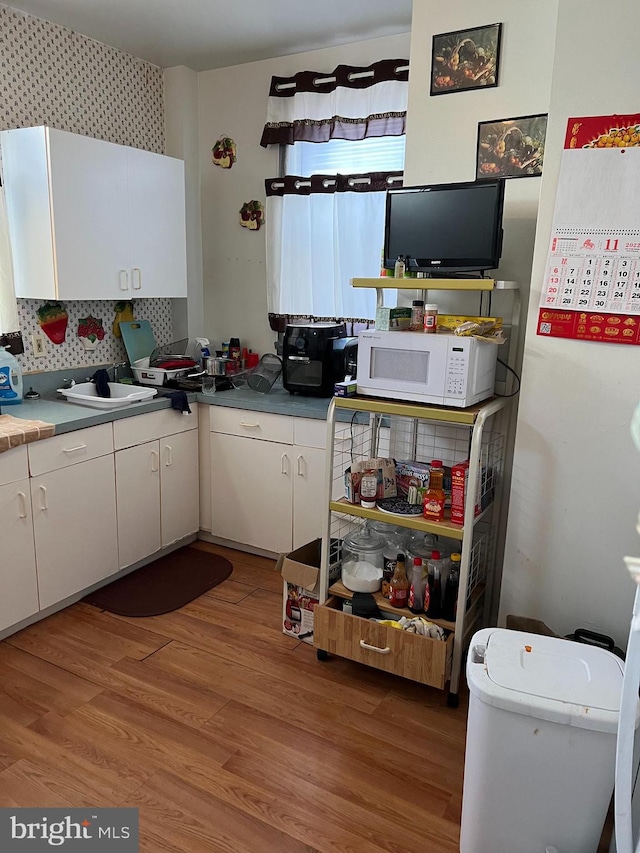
(10, 379)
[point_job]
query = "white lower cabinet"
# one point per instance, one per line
(19, 597)
(251, 491)
(267, 478)
(157, 495)
(74, 522)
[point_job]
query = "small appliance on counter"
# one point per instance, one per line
(315, 356)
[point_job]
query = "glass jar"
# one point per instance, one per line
(421, 545)
(362, 560)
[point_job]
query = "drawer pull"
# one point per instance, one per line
(43, 495)
(74, 449)
(249, 426)
(385, 651)
(301, 466)
(124, 280)
(284, 464)
(169, 456)
(23, 501)
(155, 459)
(136, 275)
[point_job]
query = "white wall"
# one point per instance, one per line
(233, 101)
(575, 494)
(442, 130)
(182, 140)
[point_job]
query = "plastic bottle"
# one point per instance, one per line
(415, 600)
(10, 379)
(369, 489)
(398, 271)
(399, 584)
(450, 603)
(394, 542)
(433, 506)
(434, 581)
(234, 350)
(431, 318)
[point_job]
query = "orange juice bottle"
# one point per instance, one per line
(433, 504)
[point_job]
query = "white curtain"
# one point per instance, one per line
(323, 230)
(8, 306)
(315, 244)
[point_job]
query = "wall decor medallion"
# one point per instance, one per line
(224, 153)
(252, 215)
(511, 148)
(90, 332)
(465, 59)
(53, 320)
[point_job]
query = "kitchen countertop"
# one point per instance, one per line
(67, 417)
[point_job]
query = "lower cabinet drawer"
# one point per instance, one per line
(381, 646)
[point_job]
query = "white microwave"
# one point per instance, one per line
(440, 369)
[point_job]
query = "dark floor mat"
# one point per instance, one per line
(164, 585)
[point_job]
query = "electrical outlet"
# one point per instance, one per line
(38, 344)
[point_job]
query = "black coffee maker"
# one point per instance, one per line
(315, 356)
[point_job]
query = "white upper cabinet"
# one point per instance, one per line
(91, 219)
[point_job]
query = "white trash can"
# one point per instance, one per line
(541, 741)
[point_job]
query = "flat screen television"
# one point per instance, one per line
(445, 228)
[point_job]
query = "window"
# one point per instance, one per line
(343, 145)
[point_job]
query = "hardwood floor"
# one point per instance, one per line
(227, 735)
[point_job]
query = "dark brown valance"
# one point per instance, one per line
(329, 184)
(351, 102)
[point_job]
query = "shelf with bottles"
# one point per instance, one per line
(388, 282)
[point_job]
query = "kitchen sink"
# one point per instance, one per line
(85, 394)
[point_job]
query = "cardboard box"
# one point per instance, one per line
(393, 319)
(412, 480)
(300, 572)
(459, 486)
(386, 469)
(345, 389)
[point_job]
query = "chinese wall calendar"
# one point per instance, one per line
(592, 277)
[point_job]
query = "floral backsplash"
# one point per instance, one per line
(52, 75)
(73, 352)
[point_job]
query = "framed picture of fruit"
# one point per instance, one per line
(465, 59)
(511, 147)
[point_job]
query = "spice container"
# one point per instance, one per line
(417, 315)
(362, 561)
(398, 270)
(431, 318)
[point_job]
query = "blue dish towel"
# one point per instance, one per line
(179, 402)
(101, 378)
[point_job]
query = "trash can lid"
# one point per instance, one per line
(546, 677)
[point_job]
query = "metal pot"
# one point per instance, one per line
(216, 366)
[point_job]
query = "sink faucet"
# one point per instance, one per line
(116, 368)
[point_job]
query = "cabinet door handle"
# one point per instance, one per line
(73, 449)
(169, 456)
(385, 651)
(300, 461)
(43, 499)
(155, 461)
(23, 501)
(123, 277)
(284, 464)
(249, 426)
(136, 275)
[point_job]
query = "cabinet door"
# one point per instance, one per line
(309, 505)
(19, 597)
(179, 489)
(89, 217)
(74, 519)
(251, 491)
(156, 198)
(138, 501)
